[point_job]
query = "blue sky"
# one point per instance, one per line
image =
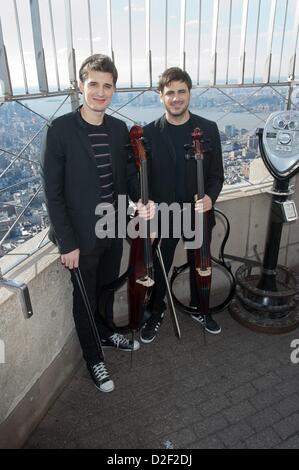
(120, 21)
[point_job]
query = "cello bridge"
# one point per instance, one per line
(204, 272)
(146, 281)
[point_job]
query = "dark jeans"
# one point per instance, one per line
(168, 246)
(97, 268)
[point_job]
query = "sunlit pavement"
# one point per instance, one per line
(241, 390)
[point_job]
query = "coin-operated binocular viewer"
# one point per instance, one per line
(268, 301)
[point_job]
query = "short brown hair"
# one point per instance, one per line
(174, 74)
(99, 63)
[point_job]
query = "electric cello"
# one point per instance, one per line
(202, 255)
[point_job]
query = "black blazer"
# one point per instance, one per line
(162, 162)
(71, 183)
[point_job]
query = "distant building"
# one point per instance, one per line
(7, 210)
(228, 146)
(243, 131)
(252, 142)
(230, 130)
(4, 227)
(235, 154)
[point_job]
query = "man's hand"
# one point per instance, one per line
(71, 259)
(146, 212)
(203, 205)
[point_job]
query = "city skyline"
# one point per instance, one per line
(20, 125)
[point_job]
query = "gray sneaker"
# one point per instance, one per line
(119, 341)
(101, 377)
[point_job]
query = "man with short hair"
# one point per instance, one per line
(84, 164)
(172, 178)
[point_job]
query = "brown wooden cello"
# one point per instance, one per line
(141, 278)
(140, 273)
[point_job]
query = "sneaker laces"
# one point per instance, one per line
(100, 371)
(118, 340)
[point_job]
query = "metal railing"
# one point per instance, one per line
(16, 186)
(199, 35)
(126, 106)
(228, 38)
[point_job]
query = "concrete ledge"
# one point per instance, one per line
(21, 422)
(40, 352)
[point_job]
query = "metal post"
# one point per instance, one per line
(214, 43)
(38, 47)
(166, 32)
(54, 44)
(270, 41)
(243, 41)
(183, 35)
(109, 27)
(21, 47)
(71, 56)
(130, 43)
(5, 86)
(294, 48)
(198, 42)
(273, 238)
(148, 51)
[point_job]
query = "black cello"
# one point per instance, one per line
(202, 255)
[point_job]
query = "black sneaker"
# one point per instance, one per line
(120, 342)
(208, 322)
(101, 377)
(150, 329)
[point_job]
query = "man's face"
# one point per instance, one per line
(97, 89)
(176, 98)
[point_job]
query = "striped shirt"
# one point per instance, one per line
(98, 138)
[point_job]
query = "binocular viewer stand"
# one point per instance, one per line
(267, 295)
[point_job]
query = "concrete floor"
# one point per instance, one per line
(241, 390)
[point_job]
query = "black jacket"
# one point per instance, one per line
(71, 183)
(162, 176)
